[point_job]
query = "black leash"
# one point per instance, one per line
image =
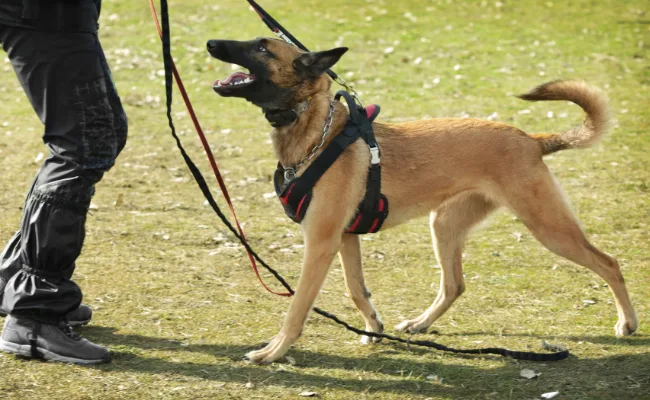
(200, 180)
(281, 32)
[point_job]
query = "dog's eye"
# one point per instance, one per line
(261, 48)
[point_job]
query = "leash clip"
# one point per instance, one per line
(283, 36)
(374, 155)
(348, 88)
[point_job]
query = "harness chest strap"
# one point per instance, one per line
(295, 195)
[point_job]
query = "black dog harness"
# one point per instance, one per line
(295, 194)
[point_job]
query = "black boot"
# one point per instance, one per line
(29, 338)
(79, 317)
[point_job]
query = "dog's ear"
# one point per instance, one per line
(313, 64)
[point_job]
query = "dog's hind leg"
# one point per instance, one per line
(542, 208)
(350, 257)
(450, 224)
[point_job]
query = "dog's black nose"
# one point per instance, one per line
(212, 44)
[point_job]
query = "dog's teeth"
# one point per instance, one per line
(247, 80)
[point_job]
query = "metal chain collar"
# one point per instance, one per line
(290, 172)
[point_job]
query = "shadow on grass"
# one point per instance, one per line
(402, 376)
(235, 370)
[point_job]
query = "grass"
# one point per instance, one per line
(175, 299)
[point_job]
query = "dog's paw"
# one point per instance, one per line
(625, 328)
(411, 326)
(367, 339)
(272, 352)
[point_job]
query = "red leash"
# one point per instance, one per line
(208, 151)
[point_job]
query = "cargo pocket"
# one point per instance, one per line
(97, 125)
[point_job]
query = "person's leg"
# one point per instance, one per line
(68, 83)
(10, 259)
(9, 263)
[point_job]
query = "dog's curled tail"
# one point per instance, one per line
(590, 99)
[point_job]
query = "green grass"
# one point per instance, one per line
(175, 299)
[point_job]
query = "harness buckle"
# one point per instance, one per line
(289, 174)
(374, 155)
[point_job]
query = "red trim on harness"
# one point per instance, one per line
(285, 199)
(302, 201)
(370, 110)
(355, 224)
(374, 224)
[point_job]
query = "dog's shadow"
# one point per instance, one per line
(236, 370)
(402, 376)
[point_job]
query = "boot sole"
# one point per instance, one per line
(26, 351)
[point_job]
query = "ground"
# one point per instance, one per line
(175, 299)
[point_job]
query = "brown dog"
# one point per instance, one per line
(457, 170)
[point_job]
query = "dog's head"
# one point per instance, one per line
(279, 74)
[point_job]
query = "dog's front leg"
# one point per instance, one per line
(320, 249)
(350, 257)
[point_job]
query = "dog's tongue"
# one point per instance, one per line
(236, 78)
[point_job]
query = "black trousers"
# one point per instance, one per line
(68, 82)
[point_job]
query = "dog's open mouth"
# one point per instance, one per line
(235, 80)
